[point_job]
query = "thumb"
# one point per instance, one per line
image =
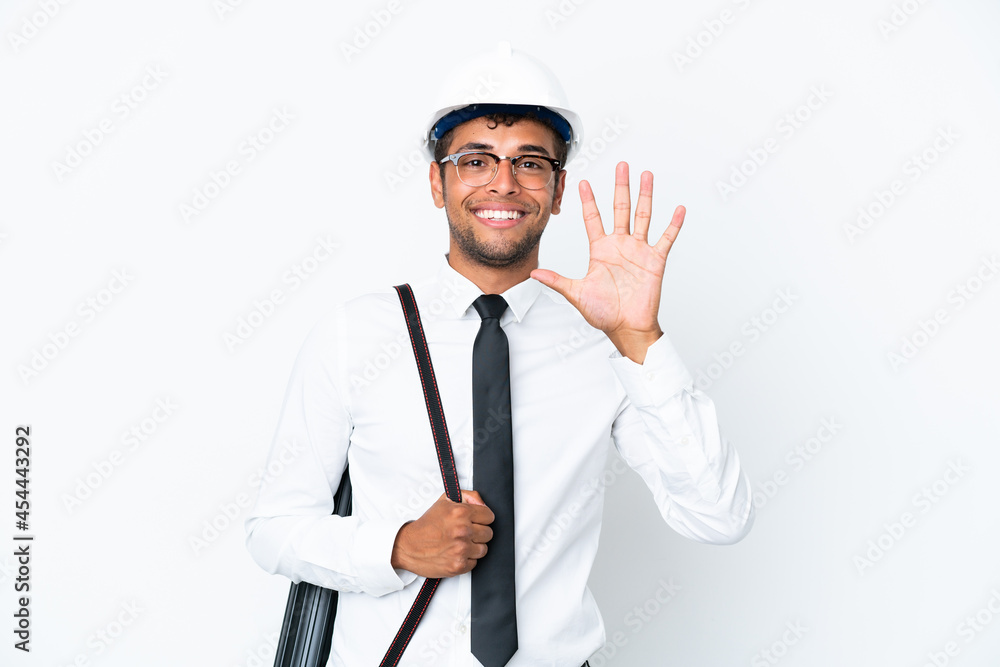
(472, 498)
(553, 280)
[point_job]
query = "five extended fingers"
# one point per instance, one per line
(623, 207)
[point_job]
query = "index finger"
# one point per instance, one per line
(671, 232)
(481, 514)
(591, 216)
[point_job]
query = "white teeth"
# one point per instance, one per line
(499, 215)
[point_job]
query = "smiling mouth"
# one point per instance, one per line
(493, 214)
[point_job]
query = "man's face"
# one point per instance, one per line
(497, 242)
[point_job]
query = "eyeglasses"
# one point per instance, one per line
(476, 169)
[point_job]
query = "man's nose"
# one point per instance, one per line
(504, 182)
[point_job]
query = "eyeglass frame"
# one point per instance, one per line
(454, 157)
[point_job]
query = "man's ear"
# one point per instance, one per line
(437, 187)
(558, 195)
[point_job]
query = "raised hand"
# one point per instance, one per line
(620, 295)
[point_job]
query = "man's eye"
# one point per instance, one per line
(473, 163)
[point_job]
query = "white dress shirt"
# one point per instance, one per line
(355, 397)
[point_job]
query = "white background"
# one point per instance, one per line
(823, 556)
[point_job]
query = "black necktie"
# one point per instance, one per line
(494, 621)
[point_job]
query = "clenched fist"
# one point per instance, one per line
(447, 540)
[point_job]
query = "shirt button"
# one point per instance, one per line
(685, 440)
(650, 376)
(462, 629)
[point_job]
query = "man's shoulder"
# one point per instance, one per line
(364, 314)
(374, 301)
(379, 306)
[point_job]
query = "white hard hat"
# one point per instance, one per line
(503, 81)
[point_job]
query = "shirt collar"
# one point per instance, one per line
(519, 298)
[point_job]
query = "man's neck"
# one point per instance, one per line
(490, 279)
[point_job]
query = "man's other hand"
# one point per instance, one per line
(447, 540)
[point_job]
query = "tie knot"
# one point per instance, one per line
(490, 305)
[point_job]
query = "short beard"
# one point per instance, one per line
(491, 256)
(494, 255)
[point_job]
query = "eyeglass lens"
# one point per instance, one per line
(478, 169)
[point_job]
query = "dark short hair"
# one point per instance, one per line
(494, 120)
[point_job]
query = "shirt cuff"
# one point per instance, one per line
(658, 378)
(372, 551)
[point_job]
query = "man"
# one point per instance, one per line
(587, 361)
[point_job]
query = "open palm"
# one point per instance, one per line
(620, 294)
